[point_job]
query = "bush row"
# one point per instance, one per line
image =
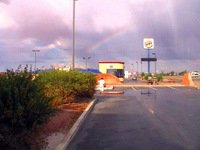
(23, 106)
(26, 100)
(159, 77)
(64, 87)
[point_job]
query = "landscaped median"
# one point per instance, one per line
(33, 107)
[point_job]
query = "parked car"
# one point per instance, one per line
(195, 73)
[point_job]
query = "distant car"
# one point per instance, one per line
(195, 74)
(134, 77)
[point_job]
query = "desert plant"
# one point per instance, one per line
(159, 77)
(65, 86)
(23, 106)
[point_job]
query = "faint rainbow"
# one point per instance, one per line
(107, 38)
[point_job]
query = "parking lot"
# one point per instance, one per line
(166, 118)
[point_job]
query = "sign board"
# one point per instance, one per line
(109, 66)
(148, 59)
(148, 43)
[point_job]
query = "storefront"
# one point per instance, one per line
(115, 68)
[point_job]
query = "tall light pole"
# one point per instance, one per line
(86, 61)
(35, 51)
(155, 62)
(73, 53)
(137, 66)
(132, 69)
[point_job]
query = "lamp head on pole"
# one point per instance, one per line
(35, 50)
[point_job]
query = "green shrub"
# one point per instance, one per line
(23, 106)
(182, 73)
(25, 100)
(146, 76)
(65, 86)
(158, 76)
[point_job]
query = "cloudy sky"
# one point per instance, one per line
(106, 30)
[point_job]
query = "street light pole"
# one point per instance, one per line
(86, 61)
(35, 51)
(137, 66)
(73, 53)
(132, 69)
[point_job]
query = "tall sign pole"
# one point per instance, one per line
(155, 62)
(148, 61)
(148, 44)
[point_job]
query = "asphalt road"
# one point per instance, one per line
(143, 119)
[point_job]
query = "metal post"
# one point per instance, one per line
(35, 61)
(141, 67)
(155, 62)
(132, 69)
(148, 61)
(35, 51)
(73, 53)
(137, 66)
(86, 61)
(86, 64)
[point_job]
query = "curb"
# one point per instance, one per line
(196, 87)
(112, 92)
(72, 132)
(142, 85)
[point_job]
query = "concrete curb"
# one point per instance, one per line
(72, 132)
(145, 85)
(196, 87)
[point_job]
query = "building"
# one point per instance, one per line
(115, 68)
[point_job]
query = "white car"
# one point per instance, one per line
(195, 73)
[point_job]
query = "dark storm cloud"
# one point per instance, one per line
(187, 17)
(174, 25)
(5, 1)
(49, 29)
(175, 29)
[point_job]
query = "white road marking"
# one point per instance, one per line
(151, 110)
(153, 88)
(134, 88)
(172, 87)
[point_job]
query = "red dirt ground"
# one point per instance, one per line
(60, 122)
(109, 79)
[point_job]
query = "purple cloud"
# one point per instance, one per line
(47, 25)
(5, 1)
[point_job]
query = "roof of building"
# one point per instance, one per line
(111, 62)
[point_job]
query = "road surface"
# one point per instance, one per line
(143, 119)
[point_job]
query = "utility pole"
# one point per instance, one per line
(35, 51)
(73, 53)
